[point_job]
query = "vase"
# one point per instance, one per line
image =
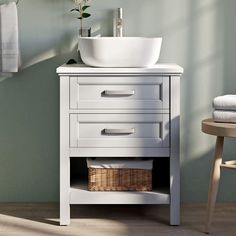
(85, 32)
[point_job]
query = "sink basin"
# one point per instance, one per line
(119, 51)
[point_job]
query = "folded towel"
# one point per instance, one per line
(226, 102)
(9, 44)
(224, 116)
(119, 164)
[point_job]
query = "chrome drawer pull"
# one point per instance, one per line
(119, 131)
(118, 92)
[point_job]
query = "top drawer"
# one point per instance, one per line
(130, 92)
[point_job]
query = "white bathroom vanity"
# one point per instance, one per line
(141, 109)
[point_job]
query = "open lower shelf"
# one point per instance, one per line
(79, 194)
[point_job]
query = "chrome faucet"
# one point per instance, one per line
(118, 26)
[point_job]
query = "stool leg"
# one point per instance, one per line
(214, 181)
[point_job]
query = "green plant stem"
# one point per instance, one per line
(81, 21)
(81, 28)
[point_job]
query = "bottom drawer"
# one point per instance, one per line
(119, 130)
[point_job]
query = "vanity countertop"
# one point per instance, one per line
(155, 69)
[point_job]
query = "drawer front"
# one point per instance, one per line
(119, 130)
(150, 92)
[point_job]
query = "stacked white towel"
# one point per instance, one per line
(225, 109)
(9, 44)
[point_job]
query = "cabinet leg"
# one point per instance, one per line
(214, 181)
(64, 214)
(65, 191)
(64, 151)
(175, 153)
(174, 191)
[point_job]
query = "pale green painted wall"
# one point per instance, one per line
(199, 35)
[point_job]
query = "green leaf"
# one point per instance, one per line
(80, 18)
(85, 7)
(75, 9)
(86, 15)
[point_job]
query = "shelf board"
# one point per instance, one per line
(79, 194)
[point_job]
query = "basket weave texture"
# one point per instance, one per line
(110, 179)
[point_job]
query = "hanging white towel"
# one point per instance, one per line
(226, 102)
(9, 42)
(224, 116)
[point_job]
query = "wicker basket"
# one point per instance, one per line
(105, 179)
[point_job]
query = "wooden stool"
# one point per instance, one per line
(220, 130)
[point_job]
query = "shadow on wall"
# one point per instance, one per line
(48, 32)
(204, 78)
(29, 101)
(29, 134)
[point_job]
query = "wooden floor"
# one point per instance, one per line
(42, 219)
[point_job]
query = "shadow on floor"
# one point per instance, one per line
(120, 220)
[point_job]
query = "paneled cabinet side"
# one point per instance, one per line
(64, 152)
(174, 152)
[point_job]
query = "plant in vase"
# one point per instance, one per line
(82, 7)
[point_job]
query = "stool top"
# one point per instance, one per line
(218, 129)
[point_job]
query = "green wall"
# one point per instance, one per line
(198, 35)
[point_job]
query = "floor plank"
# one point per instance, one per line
(42, 219)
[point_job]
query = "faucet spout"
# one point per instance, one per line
(119, 23)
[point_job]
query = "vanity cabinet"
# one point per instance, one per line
(119, 112)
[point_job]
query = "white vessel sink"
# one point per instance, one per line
(119, 51)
